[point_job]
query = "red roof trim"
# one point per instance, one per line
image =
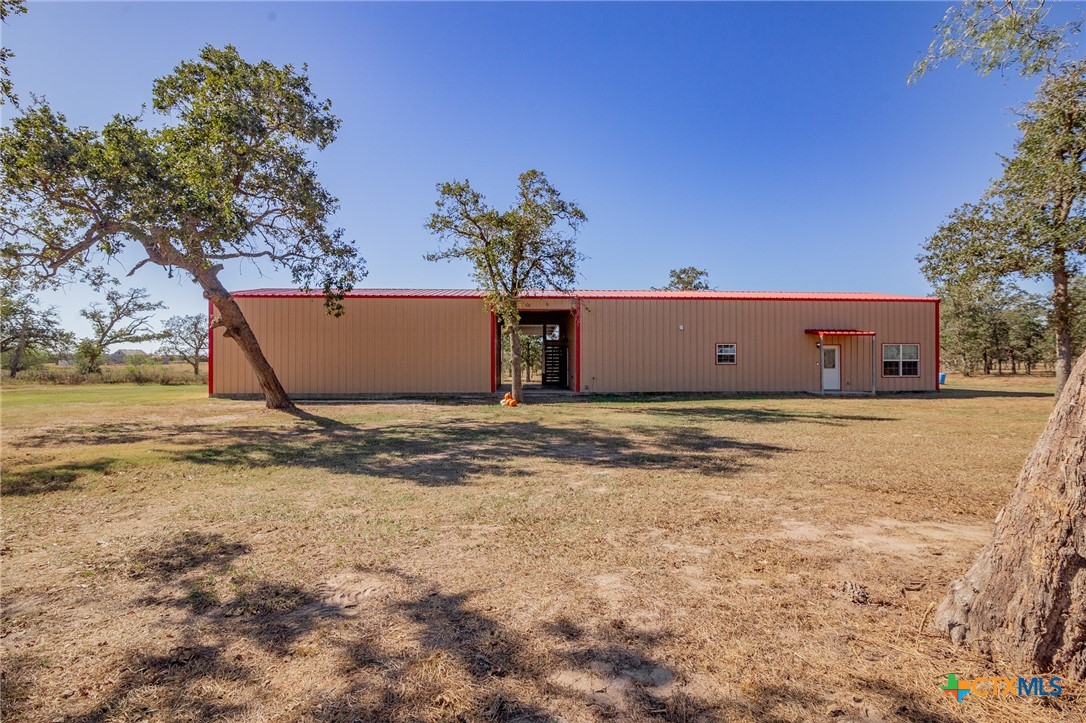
(597, 294)
(838, 332)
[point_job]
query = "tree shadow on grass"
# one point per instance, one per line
(454, 451)
(119, 433)
(499, 674)
(449, 452)
(695, 414)
(53, 478)
(189, 572)
(905, 705)
(946, 392)
(187, 552)
(417, 652)
(192, 570)
(176, 682)
(17, 674)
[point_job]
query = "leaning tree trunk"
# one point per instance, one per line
(238, 329)
(1025, 597)
(515, 347)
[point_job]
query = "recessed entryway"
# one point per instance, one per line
(545, 351)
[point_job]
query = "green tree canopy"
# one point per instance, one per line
(999, 34)
(532, 245)
(125, 318)
(7, 88)
(223, 178)
(1030, 224)
(987, 324)
(1032, 221)
(27, 329)
(688, 278)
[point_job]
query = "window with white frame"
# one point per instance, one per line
(725, 353)
(901, 360)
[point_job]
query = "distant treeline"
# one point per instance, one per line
(989, 327)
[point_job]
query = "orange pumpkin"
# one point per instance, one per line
(508, 395)
(512, 402)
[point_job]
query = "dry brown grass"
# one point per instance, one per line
(170, 557)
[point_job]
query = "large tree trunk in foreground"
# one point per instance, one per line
(238, 329)
(515, 348)
(1025, 597)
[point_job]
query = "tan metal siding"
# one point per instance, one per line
(379, 346)
(424, 345)
(634, 345)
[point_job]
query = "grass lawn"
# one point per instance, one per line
(171, 557)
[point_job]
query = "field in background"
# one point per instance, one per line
(139, 373)
(171, 557)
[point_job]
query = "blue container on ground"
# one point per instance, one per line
(942, 377)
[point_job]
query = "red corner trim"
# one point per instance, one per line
(210, 349)
(938, 344)
(577, 359)
(493, 353)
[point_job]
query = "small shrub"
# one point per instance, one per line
(46, 375)
(88, 357)
(139, 369)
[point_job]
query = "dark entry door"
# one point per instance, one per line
(555, 357)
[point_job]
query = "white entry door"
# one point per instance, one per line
(831, 367)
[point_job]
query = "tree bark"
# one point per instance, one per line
(1025, 597)
(238, 329)
(514, 346)
(20, 348)
(1061, 320)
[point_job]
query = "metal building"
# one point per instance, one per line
(442, 341)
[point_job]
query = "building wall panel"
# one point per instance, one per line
(379, 346)
(635, 345)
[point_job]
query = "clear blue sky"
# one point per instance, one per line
(775, 145)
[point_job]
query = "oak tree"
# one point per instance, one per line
(1024, 599)
(28, 329)
(125, 318)
(223, 176)
(186, 337)
(532, 245)
(1032, 221)
(688, 278)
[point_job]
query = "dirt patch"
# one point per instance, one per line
(886, 536)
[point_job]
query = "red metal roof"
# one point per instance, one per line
(838, 332)
(603, 294)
